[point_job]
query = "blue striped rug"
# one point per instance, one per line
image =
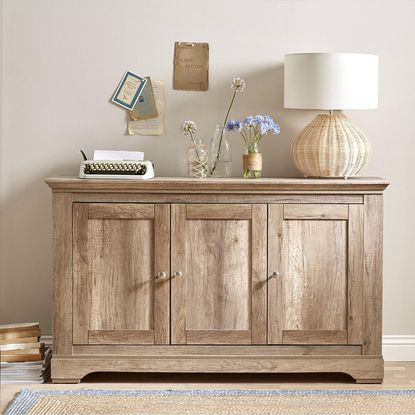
(213, 402)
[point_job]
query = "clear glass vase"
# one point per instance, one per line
(252, 161)
(197, 160)
(220, 153)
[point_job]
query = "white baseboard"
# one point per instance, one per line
(395, 348)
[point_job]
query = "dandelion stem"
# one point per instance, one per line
(221, 134)
(229, 109)
(194, 143)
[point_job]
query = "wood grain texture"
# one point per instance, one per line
(62, 273)
(357, 366)
(314, 336)
(202, 350)
(259, 278)
(369, 381)
(306, 255)
(115, 262)
(372, 278)
(223, 262)
(81, 274)
(120, 211)
(218, 275)
(178, 284)
(314, 276)
(121, 260)
(275, 264)
(162, 264)
(355, 275)
(218, 337)
(313, 211)
(323, 240)
(120, 337)
(173, 185)
(214, 211)
(198, 198)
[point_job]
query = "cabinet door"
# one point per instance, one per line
(315, 264)
(118, 250)
(218, 286)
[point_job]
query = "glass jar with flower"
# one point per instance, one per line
(196, 154)
(220, 145)
(252, 129)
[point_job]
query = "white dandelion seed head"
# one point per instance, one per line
(189, 127)
(238, 84)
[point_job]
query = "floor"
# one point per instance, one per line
(398, 375)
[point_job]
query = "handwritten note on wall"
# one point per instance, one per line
(191, 66)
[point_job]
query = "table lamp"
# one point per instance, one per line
(330, 146)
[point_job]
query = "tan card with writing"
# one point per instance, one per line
(191, 66)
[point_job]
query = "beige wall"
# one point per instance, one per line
(63, 59)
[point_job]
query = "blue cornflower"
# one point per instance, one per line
(248, 121)
(233, 126)
(264, 128)
(259, 119)
(276, 128)
(230, 124)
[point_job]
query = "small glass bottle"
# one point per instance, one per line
(197, 159)
(252, 161)
(220, 153)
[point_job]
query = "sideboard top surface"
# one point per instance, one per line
(211, 185)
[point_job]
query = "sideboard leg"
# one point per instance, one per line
(66, 380)
(369, 380)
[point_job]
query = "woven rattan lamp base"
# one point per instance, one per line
(330, 146)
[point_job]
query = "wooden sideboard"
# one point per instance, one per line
(217, 275)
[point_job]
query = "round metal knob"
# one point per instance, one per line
(178, 274)
(275, 274)
(161, 275)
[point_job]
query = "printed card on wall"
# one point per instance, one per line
(129, 90)
(191, 66)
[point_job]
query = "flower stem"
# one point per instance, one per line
(243, 134)
(221, 133)
(194, 143)
(229, 109)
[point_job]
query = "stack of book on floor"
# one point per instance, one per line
(23, 358)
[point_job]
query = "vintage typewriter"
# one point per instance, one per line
(115, 169)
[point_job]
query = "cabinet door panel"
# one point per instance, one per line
(317, 251)
(218, 248)
(315, 282)
(121, 286)
(117, 254)
(221, 296)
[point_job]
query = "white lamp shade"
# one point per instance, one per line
(331, 81)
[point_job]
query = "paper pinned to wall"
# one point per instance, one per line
(152, 126)
(191, 66)
(145, 107)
